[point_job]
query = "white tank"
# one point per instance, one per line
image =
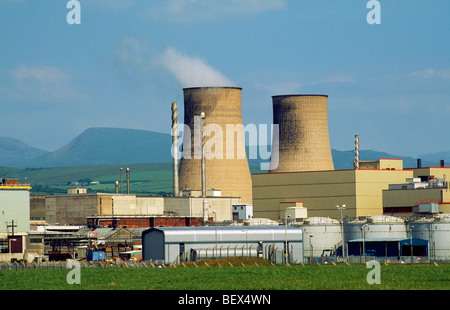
(437, 232)
(380, 226)
(320, 233)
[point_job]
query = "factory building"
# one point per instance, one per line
(103, 210)
(320, 191)
(178, 244)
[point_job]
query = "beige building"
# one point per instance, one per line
(360, 190)
(427, 185)
(74, 209)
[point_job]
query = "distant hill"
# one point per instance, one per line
(107, 146)
(13, 151)
(115, 146)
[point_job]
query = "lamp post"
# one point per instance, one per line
(215, 228)
(285, 236)
(411, 241)
(341, 208)
(363, 228)
(202, 117)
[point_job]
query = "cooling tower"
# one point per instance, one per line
(226, 162)
(303, 140)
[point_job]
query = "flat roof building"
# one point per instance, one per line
(176, 244)
(321, 191)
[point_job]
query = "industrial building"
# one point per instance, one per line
(177, 244)
(320, 191)
(15, 241)
(130, 210)
(425, 192)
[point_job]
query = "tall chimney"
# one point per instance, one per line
(175, 155)
(303, 140)
(128, 181)
(441, 163)
(356, 160)
(121, 179)
(419, 163)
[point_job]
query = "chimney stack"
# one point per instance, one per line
(175, 151)
(128, 181)
(356, 160)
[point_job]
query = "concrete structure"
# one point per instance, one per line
(320, 191)
(304, 143)
(176, 244)
(226, 160)
(75, 209)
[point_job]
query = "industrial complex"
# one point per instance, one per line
(301, 210)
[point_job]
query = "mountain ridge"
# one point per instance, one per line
(98, 146)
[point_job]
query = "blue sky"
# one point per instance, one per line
(128, 59)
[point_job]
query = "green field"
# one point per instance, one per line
(145, 179)
(236, 277)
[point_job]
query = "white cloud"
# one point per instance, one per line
(42, 74)
(193, 11)
(432, 73)
(43, 83)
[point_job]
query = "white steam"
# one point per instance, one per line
(191, 71)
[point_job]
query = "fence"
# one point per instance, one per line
(22, 265)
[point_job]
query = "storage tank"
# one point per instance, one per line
(226, 165)
(380, 226)
(303, 141)
(437, 231)
(319, 234)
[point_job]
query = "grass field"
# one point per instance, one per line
(145, 179)
(236, 277)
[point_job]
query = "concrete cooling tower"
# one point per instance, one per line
(226, 166)
(304, 143)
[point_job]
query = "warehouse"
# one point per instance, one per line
(177, 244)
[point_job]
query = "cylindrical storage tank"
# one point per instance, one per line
(376, 227)
(320, 233)
(303, 140)
(226, 162)
(437, 233)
